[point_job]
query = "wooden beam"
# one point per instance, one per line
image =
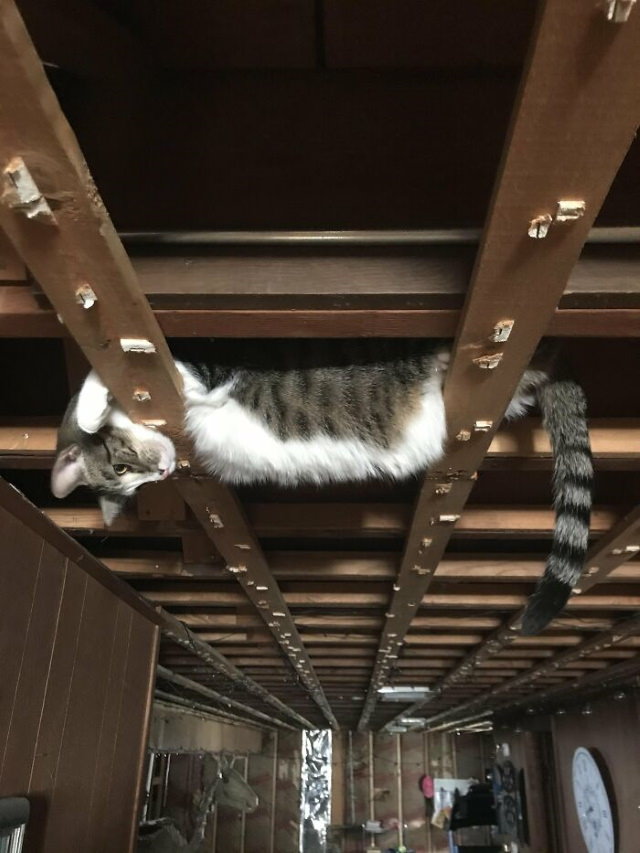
(611, 439)
(360, 521)
(180, 634)
(221, 516)
(23, 317)
(608, 556)
(514, 272)
(605, 640)
(194, 687)
(11, 266)
(76, 251)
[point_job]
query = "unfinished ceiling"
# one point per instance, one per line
(258, 119)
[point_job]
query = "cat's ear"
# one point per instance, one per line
(111, 506)
(94, 404)
(68, 471)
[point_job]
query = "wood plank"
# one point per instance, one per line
(180, 634)
(222, 518)
(608, 557)
(611, 438)
(80, 247)
(28, 699)
(605, 640)
(512, 270)
(22, 317)
(11, 267)
(78, 750)
(19, 587)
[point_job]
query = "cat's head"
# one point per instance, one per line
(113, 460)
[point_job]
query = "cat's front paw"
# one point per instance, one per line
(94, 405)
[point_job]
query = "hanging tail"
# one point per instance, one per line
(563, 407)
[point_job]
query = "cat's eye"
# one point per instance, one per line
(121, 469)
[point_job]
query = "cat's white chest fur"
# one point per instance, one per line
(235, 445)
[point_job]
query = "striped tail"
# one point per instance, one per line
(563, 407)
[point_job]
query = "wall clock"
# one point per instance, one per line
(592, 803)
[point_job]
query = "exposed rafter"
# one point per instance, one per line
(55, 219)
(557, 168)
(195, 687)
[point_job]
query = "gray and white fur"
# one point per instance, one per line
(321, 412)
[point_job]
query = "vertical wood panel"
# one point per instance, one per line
(87, 695)
(612, 730)
(18, 587)
(54, 707)
(100, 820)
(31, 688)
(76, 677)
(135, 710)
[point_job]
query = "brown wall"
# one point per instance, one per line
(76, 675)
(613, 729)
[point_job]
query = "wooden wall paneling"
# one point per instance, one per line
(612, 730)
(18, 587)
(511, 265)
(34, 667)
(65, 681)
(135, 708)
(80, 736)
(88, 253)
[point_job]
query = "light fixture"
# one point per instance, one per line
(397, 693)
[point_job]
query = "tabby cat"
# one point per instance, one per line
(324, 412)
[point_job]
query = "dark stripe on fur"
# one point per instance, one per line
(563, 407)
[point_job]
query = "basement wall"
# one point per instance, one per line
(77, 663)
(397, 763)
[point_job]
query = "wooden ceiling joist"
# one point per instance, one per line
(226, 701)
(557, 167)
(569, 691)
(612, 439)
(611, 552)
(22, 316)
(180, 634)
(525, 681)
(55, 219)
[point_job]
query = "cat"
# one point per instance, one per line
(320, 412)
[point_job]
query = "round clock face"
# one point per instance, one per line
(592, 804)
